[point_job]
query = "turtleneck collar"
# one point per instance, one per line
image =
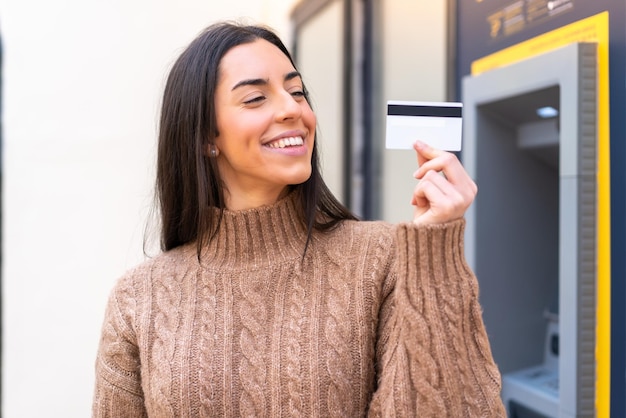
(259, 236)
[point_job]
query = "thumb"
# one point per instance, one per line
(420, 149)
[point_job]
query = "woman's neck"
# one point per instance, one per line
(250, 199)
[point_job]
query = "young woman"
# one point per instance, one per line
(270, 299)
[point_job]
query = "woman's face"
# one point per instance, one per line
(266, 127)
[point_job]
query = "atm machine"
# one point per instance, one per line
(530, 143)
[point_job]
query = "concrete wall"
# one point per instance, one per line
(414, 64)
(82, 81)
(322, 37)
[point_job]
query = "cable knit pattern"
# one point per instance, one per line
(375, 320)
(292, 334)
(252, 344)
(207, 306)
(337, 333)
(414, 381)
(166, 321)
(121, 336)
(456, 314)
(119, 391)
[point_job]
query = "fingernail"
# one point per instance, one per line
(419, 144)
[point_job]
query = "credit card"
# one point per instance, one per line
(439, 124)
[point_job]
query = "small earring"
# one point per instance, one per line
(213, 151)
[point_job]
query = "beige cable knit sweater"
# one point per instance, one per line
(375, 320)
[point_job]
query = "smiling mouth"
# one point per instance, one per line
(293, 141)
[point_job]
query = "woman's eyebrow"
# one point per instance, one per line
(251, 82)
(292, 75)
(262, 81)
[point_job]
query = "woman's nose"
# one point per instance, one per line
(288, 107)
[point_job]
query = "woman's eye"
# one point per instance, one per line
(297, 93)
(254, 100)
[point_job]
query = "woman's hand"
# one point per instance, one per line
(440, 198)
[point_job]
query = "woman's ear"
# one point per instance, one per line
(212, 150)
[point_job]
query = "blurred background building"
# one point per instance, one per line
(81, 85)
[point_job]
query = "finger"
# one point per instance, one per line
(426, 151)
(446, 189)
(420, 201)
(418, 198)
(428, 207)
(453, 170)
(421, 159)
(463, 194)
(445, 200)
(443, 161)
(427, 193)
(441, 208)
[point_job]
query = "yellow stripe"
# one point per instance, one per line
(603, 326)
(591, 29)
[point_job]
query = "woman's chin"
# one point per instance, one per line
(295, 177)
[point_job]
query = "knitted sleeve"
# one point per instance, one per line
(118, 390)
(433, 353)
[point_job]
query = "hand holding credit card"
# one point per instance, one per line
(438, 124)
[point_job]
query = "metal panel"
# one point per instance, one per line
(493, 104)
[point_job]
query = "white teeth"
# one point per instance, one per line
(287, 142)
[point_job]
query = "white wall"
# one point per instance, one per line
(81, 87)
(82, 81)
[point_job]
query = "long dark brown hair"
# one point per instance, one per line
(188, 183)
